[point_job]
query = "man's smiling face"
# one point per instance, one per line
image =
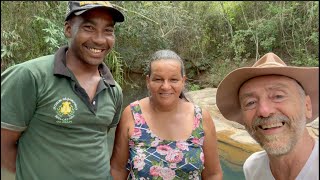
(91, 36)
(274, 110)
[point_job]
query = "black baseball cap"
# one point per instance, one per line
(79, 7)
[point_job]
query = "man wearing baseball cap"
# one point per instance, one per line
(274, 102)
(56, 110)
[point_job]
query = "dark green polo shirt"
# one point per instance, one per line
(64, 136)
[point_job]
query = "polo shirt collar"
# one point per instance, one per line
(60, 67)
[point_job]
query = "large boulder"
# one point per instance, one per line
(234, 143)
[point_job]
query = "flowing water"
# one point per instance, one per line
(231, 172)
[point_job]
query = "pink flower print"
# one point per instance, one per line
(174, 156)
(202, 157)
(139, 119)
(138, 162)
(173, 165)
(136, 133)
(135, 103)
(155, 142)
(163, 149)
(199, 116)
(196, 123)
(182, 145)
(195, 141)
(155, 170)
(167, 173)
(140, 151)
(141, 144)
(201, 140)
(131, 143)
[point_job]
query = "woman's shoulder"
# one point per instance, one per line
(188, 104)
(137, 103)
(142, 103)
(196, 108)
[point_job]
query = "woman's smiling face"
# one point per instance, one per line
(165, 82)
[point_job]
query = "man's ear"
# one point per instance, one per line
(308, 107)
(67, 29)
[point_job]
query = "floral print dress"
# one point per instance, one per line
(154, 158)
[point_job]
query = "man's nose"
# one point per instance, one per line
(99, 38)
(265, 108)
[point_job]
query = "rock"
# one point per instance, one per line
(234, 143)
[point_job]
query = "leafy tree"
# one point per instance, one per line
(212, 37)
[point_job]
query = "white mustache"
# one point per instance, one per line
(274, 119)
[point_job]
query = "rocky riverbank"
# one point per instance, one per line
(234, 143)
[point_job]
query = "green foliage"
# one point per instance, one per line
(9, 43)
(193, 87)
(304, 59)
(213, 37)
(114, 62)
(54, 36)
(21, 19)
(219, 71)
(239, 43)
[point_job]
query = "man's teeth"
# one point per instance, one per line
(95, 50)
(264, 127)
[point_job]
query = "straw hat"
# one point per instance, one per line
(227, 98)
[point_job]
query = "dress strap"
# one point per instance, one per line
(197, 117)
(135, 107)
(197, 131)
(137, 113)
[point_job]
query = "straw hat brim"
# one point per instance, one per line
(227, 93)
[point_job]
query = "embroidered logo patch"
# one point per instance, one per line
(65, 109)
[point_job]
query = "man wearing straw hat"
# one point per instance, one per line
(275, 102)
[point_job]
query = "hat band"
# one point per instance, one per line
(271, 64)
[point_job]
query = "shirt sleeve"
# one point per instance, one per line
(18, 97)
(246, 169)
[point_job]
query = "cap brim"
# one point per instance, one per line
(117, 16)
(227, 92)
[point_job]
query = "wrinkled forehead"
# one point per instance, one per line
(270, 81)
